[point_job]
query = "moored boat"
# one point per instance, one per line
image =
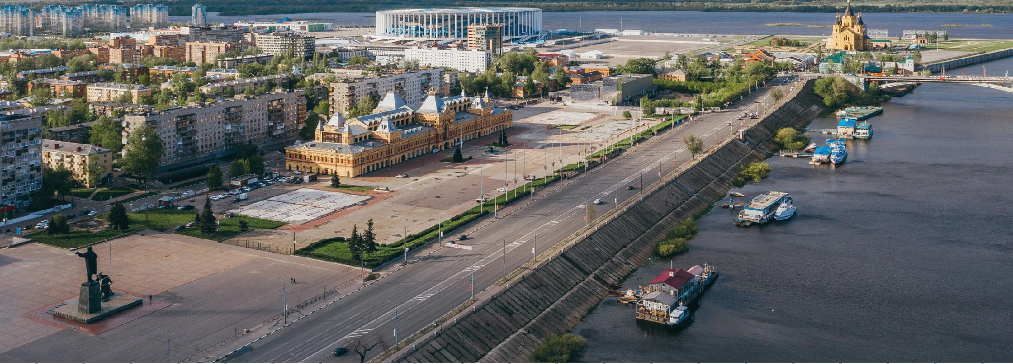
(822, 154)
(839, 151)
(679, 316)
(810, 148)
(863, 130)
(761, 209)
(785, 211)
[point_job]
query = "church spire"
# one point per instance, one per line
(847, 10)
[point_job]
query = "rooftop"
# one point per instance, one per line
(674, 278)
(72, 148)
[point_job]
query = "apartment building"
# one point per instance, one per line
(199, 15)
(199, 134)
(412, 86)
(82, 160)
(279, 43)
(18, 20)
(201, 52)
(149, 15)
(465, 60)
(242, 84)
(102, 17)
(77, 133)
(60, 88)
(20, 159)
(61, 20)
(108, 91)
(486, 37)
(226, 34)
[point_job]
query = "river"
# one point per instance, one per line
(706, 22)
(901, 254)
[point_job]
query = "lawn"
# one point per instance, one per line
(111, 192)
(355, 188)
(975, 46)
(164, 220)
(566, 126)
(82, 192)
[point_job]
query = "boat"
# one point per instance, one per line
(860, 112)
(784, 211)
(707, 273)
(839, 152)
(822, 154)
(679, 316)
(863, 130)
(762, 208)
(810, 148)
(736, 194)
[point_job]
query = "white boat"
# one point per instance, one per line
(822, 154)
(785, 211)
(810, 148)
(839, 151)
(761, 209)
(679, 316)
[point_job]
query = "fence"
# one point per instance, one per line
(259, 245)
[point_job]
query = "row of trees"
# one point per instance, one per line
(836, 91)
(362, 244)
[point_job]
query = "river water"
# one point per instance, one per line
(705, 22)
(901, 254)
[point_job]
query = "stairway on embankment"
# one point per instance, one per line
(554, 297)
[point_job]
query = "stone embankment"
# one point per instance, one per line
(969, 60)
(554, 297)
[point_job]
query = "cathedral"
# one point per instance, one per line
(849, 33)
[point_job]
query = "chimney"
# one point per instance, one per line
(671, 273)
(56, 145)
(78, 149)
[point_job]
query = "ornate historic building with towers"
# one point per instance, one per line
(849, 33)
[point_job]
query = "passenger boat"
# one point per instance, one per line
(736, 194)
(863, 130)
(679, 316)
(822, 154)
(785, 211)
(810, 148)
(762, 208)
(839, 151)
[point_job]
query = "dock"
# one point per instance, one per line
(860, 113)
(790, 154)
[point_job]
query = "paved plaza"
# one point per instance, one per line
(300, 206)
(203, 293)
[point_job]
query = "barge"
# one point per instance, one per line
(667, 298)
(860, 112)
(762, 209)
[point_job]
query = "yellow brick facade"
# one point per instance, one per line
(388, 137)
(77, 158)
(849, 33)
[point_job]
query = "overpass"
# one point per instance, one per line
(1001, 83)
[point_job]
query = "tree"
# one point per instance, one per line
(243, 225)
(638, 66)
(144, 153)
(40, 97)
(697, 103)
(256, 164)
(95, 173)
(369, 238)
(58, 225)
(239, 167)
(458, 158)
(694, 144)
(335, 182)
(503, 138)
(308, 130)
(126, 98)
(208, 221)
(529, 87)
(355, 243)
(214, 177)
(107, 134)
(789, 138)
(562, 79)
(58, 181)
(777, 94)
(627, 115)
(646, 106)
(118, 218)
(361, 345)
(559, 349)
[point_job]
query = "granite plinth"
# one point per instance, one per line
(117, 303)
(90, 300)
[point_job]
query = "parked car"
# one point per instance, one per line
(402, 175)
(84, 212)
(482, 199)
(92, 213)
(236, 199)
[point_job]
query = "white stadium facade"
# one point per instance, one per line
(519, 24)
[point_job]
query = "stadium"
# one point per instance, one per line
(519, 24)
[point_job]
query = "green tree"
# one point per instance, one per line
(355, 243)
(369, 238)
(458, 158)
(697, 103)
(562, 79)
(308, 130)
(118, 218)
(335, 182)
(693, 144)
(57, 181)
(789, 138)
(58, 225)
(95, 173)
(559, 349)
(81, 63)
(143, 153)
(40, 97)
(107, 134)
(256, 164)
(126, 98)
(638, 66)
(627, 115)
(322, 108)
(529, 87)
(239, 167)
(208, 221)
(777, 94)
(647, 106)
(243, 225)
(214, 177)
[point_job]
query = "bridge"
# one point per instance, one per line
(1001, 83)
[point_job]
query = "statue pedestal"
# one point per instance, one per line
(90, 300)
(77, 309)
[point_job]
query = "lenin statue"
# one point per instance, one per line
(90, 262)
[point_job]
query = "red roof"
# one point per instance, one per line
(674, 278)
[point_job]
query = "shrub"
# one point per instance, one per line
(677, 240)
(755, 172)
(559, 349)
(790, 138)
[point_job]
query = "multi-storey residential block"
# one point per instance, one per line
(114, 91)
(102, 17)
(199, 15)
(61, 20)
(411, 86)
(149, 15)
(20, 159)
(77, 133)
(470, 61)
(242, 84)
(199, 53)
(199, 134)
(486, 37)
(215, 34)
(82, 160)
(232, 62)
(60, 88)
(395, 133)
(300, 46)
(17, 20)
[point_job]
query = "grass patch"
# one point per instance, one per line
(566, 126)
(974, 46)
(336, 249)
(138, 197)
(82, 192)
(559, 349)
(451, 160)
(677, 240)
(111, 192)
(754, 172)
(354, 188)
(228, 228)
(75, 239)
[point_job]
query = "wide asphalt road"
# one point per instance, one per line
(424, 291)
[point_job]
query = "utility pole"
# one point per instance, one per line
(473, 283)
(395, 326)
(406, 245)
(167, 341)
(534, 246)
(504, 258)
(284, 296)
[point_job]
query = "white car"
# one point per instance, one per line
(93, 213)
(598, 201)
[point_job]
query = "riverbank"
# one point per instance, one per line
(553, 296)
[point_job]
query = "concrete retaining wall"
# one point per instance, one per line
(554, 297)
(967, 61)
